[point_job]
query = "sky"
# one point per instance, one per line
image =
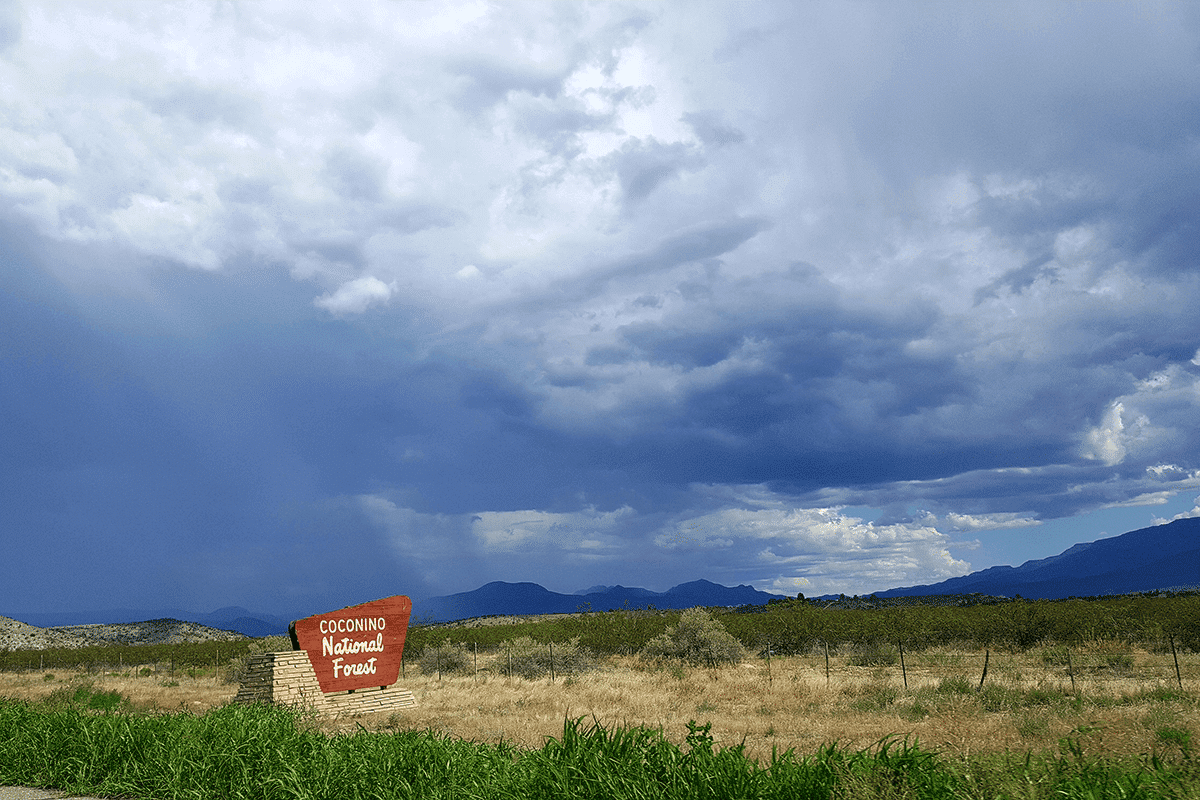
(302, 305)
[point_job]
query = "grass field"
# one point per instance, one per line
(90, 741)
(1123, 702)
(1024, 704)
(1091, 718)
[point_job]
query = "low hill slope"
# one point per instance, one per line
(16, 635)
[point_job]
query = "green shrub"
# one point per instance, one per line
(529, 659)
(915, 712)
(1044, 697)
(237, 665)
(955, 685)
(995, 697)
(1055, 656)
(1119, 662)
(874, 654)
(84, 696)
(1175, 737)
(450, 658)
(698, 639)
(1033, 726)
(876, 697)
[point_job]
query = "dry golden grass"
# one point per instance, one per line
(158, 691)
(798, 709)
(795, 708)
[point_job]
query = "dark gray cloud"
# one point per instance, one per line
(709, 126)
(641, 166)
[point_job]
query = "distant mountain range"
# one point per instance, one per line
(497, 598)
(1155, 558)
(1160, 557)
(500, 598)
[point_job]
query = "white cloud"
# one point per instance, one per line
(469, 272)
(1175, 474)
(1194, 512)
(1172, 396)
(988, 522)
(820, 549)
(354, 297)
(588, 530)
(1106, 442)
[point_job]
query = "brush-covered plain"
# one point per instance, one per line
(1069, 716)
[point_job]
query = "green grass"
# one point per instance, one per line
(265, 752)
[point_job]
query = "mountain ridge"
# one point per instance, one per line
(524, 598)
(1144, 560)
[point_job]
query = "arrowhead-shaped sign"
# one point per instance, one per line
(357, 647)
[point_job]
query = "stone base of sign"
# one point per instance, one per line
(287, 678)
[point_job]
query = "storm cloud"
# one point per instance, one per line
(302, 307)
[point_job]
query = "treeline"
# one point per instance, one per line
(798, 625)
(182, 655)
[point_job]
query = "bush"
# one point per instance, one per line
(449, 657)
(876, 697)
(529, 659)
(996, 698)
(237, 665)
(1056, 656)
(85, 696)
(875, 655)
(698, 639)
(955, 685)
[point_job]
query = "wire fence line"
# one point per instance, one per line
(154, 659)
(1080, 668)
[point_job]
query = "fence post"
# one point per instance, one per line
(1174, 655)
(903, 669)
(1071, 671)
(987, 654)
(826, 664)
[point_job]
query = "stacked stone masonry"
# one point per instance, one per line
(287, 678)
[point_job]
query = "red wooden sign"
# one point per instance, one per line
(357, 647)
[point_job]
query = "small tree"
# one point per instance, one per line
(448, 657)
(529, 659)
(698, 639)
